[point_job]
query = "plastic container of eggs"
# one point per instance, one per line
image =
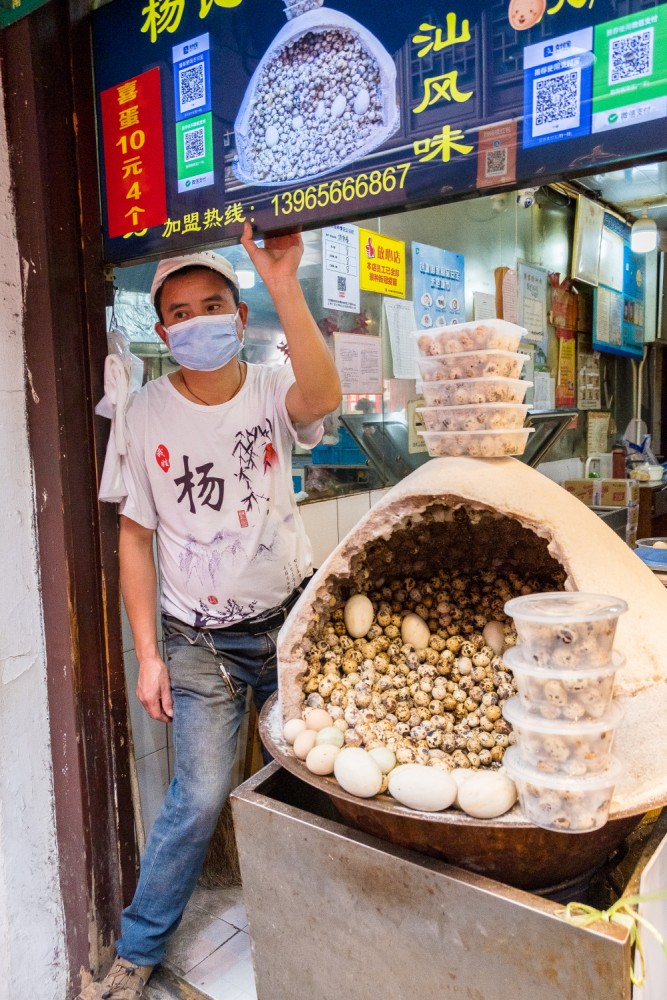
(477, 444)
(557, 747)
(561, 801)
(479, 335)
(474, 390)
(572, 695)
(472, 364)
(473, 417)
(566, 629)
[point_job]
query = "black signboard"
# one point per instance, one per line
(302, 115)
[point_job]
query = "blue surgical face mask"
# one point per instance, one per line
(206, 343)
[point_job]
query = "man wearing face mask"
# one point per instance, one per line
(208, 469)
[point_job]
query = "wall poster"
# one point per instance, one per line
(438, 286)
(618, 307)
(318, 115)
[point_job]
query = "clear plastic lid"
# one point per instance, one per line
(467, 407)
(553, 608)
(520, 770)
(517, 715)
(518, 664)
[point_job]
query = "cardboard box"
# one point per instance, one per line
(586, 490)
(618, 493)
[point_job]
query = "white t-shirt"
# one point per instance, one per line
(216, 484)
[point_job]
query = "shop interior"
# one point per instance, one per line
(373, 441)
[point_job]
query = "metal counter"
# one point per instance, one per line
(336, 914)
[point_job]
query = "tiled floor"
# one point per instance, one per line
(211, 948)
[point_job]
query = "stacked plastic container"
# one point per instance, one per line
(564, 715)
(474, 395)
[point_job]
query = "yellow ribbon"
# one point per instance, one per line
(623, 914)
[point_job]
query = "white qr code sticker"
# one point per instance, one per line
(556, 102)
(194, 145)
(631, 56)
(192, 87)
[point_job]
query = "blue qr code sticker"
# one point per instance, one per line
(192, 86)
(556, 102)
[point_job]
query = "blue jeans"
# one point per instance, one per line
(206, 724)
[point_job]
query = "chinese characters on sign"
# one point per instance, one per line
(382, 264)
(134, 154)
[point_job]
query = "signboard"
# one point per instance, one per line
(619, 308)
(13, 10)
(438, 288)
(354, 110)
(133, 160)
(340, 269)
(382, 264)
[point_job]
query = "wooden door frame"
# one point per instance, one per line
(49, 99)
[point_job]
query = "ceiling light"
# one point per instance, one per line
(643, 235)
(246, 278)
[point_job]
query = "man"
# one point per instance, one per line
(208, 469)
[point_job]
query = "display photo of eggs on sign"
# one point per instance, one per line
(437, 286)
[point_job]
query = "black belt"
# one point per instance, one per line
(268, 621)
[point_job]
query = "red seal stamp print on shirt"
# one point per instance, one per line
(243, 518)
(162, 457)
(270, 457)
(212, 599)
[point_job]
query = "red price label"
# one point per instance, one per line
(134, 154)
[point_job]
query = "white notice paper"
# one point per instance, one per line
(340, 268)
(483, 305)
(359, 362)
(545, 391)
(401, 323)
(510, 296)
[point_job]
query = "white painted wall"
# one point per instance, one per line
(32, 941)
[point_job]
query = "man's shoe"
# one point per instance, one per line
(123, 981)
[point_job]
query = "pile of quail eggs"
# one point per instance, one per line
(404, 691)
(316, 102)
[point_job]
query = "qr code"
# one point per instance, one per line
(631, 56)
(342, 283)
(192, 87)
(195, 145)
(556, 102)
(496, 162)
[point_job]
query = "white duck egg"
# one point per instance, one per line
(357, 773)
(493, 634)
(358, 615)
(292, 728)
(331, 735)
(426, 788)
(361, 102)
(338, 106)
(384, 758)
(304, 743)
(487, 794)
(271, 136)
(460, 774)
(318, 719)
(415, 631)
(321, 759)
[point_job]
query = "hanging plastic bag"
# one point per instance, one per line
(123, 375)
(296, 121)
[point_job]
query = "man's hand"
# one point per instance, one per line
(279, 258)
(153, 689)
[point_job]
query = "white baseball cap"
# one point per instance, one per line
(215, 261)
